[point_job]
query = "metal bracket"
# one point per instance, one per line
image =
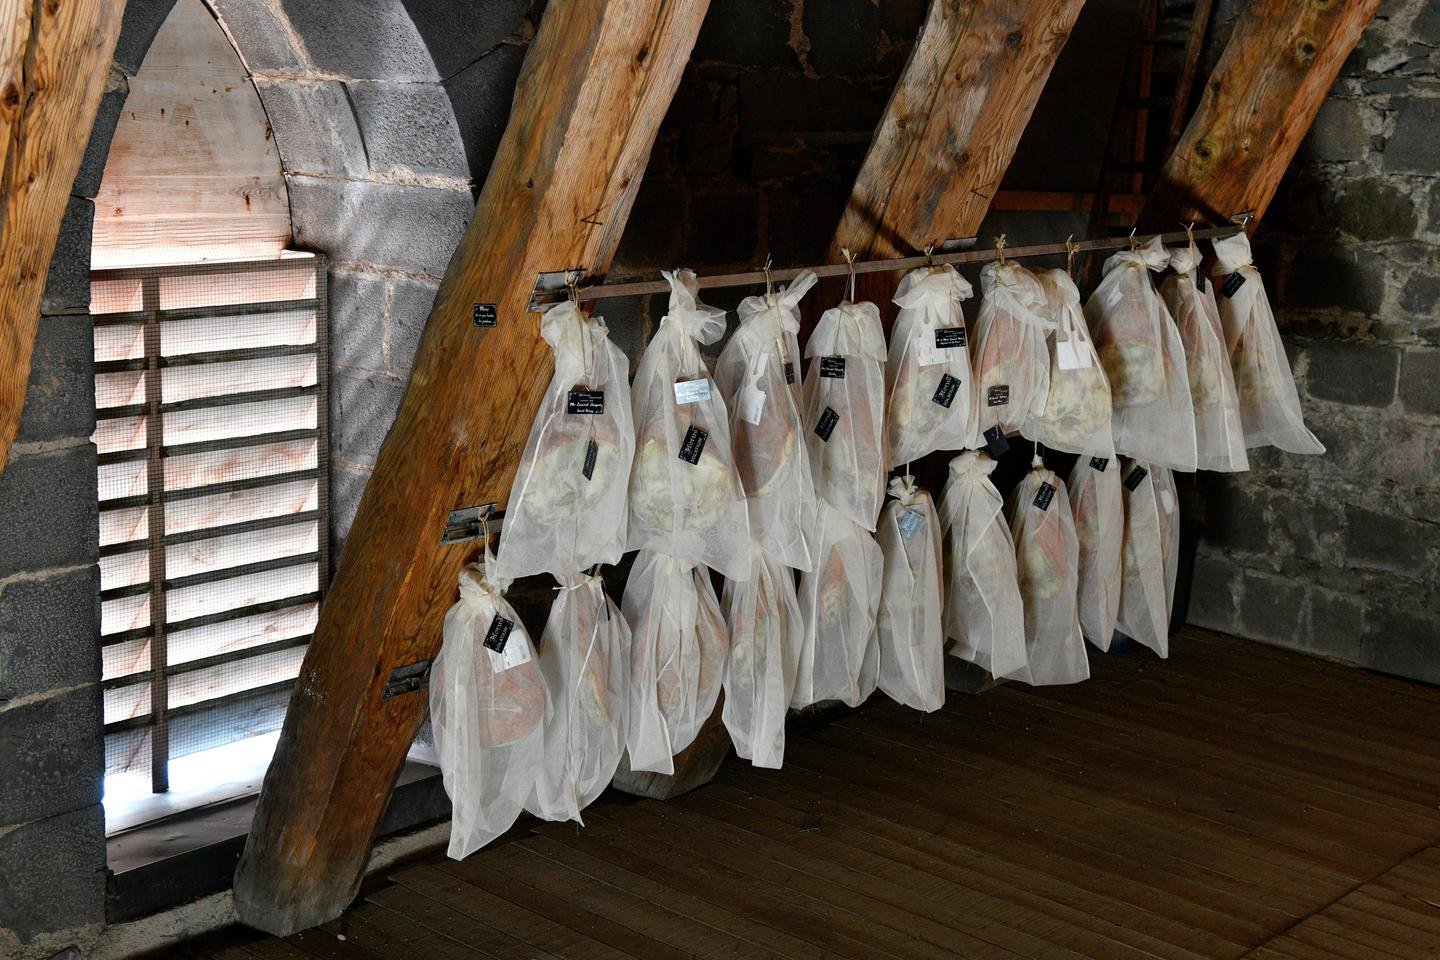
(956, 244)
(407, 679)
(547, 284)
(464, 524)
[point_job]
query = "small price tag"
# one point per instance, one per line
(585, 401)
(1099, 463)
(998, 396)
(692, 391)
(1137, 477)
(592, 453)
(1069, 356)
(948, 338)
(832, 367)
(514, 655)
(693, 445)
(1232, 284)
(946, 391)
(789, 372)
(1167, 501)
(499, 633)
(996, 444)
(484, 314)
(1044, 495)
(910, 523)
(751, 404)
(826, 426)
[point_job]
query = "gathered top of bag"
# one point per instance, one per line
(971, 465)
(904, 489)
(1015, 290)
(1152, 256)
(575, 339)
(1184, 260)
(696, 320)
(481, 584)
(851, 330)
(783, 306)
(1061, 293)
(935, 288)
(1233, 253)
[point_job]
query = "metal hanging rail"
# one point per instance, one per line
(550, 288)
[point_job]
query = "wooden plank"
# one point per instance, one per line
(596, 83)
(54, 60)
(1257, 106)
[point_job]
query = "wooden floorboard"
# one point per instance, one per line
(1237, 802)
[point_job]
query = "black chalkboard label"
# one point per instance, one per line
(1099, 463)
(947, 338)
(1137, 477)
(826, 426)
(1232, 284)
(592, 452)
(585, 401)
(693, 444)
(1044, 495)
(485, 314)
(945, 393)
(789, 372)
(499, 633)
(996, 443)
(832, 367)
(998, 396)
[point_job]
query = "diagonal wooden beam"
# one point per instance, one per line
(596, 83)
(54, 59)
(1276, 70)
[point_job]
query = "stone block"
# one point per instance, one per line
(263, 43)
(776, 103)
(1309, 527)
(793, 210)
(1358, 374)
(1214, 594)
(409, 126)
(1338, 133)
(315, 127)
(1420, 382)
(379, 44)
(60, 398)
(1383, 541)
(656, 227)
(52, 753)
(67, 286)
(458, 34)
(97, 151)
(48, 502)
(707, 148)
(1235, 517)
(410, 303)
(1337, 625)
(630, 324)
(347, 484)
(1369, 208)
(1420, 296)
(480, 96)
(723, 228)
(142, 20)
(362, 408)
(752, 32)
(843, 35)
(1334, 277)
(1402, 641)
(48, 628)
(1416, 143)
(1272, 609)
(52, 875)
(384, 224)
(902, 19)
(358, 302)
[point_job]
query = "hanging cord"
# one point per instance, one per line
(1038, 458)
(1134, 244)
(850, 263)
(769, 282)
(1000, 250)
(929, 254)
(1070, 250)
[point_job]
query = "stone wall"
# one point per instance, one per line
(1338, 555)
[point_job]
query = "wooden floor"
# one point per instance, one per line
(1237, 801)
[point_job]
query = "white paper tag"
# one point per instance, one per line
(910, 523)
(692, 391)
(1069, 355)
(925, 350)
(1167, 501)
(752, 404)
(516, 652)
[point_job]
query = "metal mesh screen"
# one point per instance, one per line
(211, 406)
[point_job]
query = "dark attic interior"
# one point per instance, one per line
(765, 479)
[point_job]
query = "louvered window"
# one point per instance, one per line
(210, 392)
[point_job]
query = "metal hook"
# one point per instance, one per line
(1134, 244)
(850, 262)
(572, 284)
(1190, 233)
(930, 254)
(769, 283)
(1000, 250)
(1070, 254)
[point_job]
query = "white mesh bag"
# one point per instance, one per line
(584, 657)
(685, 495)
(1099, 514)
(983, 614)
(1219, 437)
(927, 374)
(1269, 405)
(567, 507)
(908, 630)
(759, 376)
(765, 636)
(487, 710)
(1144, 360)
(839, 601)
(844, 404)
(1076, 414)
(1011, 363)
(1047, 559)
(678, 646)
(1149, 556)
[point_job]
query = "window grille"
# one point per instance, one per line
(211, 405)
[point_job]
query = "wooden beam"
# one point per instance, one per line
(54, 60)
(1258, 104)
(596, 84)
